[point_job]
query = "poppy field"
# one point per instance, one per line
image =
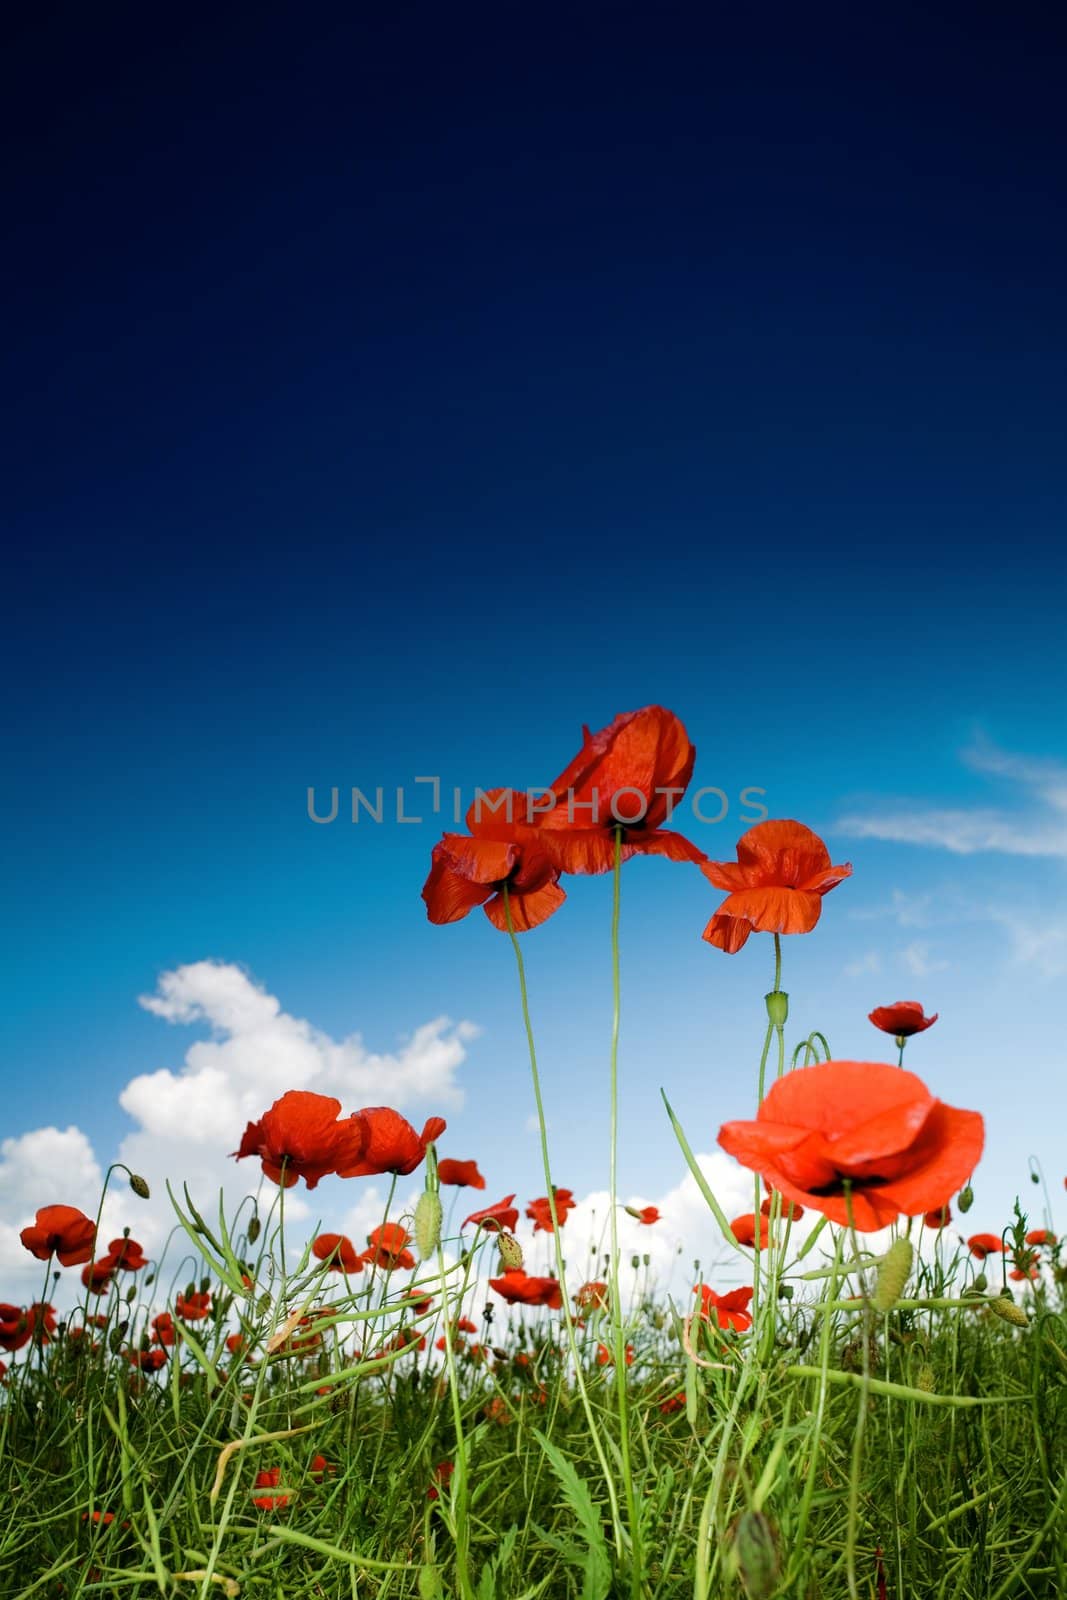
(870, 1402)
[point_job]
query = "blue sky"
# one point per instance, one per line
(391, 398)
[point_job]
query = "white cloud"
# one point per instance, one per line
(865, 964)
(1035, 826)
(918, 960)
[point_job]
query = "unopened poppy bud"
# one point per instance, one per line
(116, 1336)
(785, 1291)
(777, 1007)
(510, 1252)
(255, 1228)
(635, 1262)
(893, 1274)
(965, 1198)
(140, 1186)
(757, 1558)
(1008, 1311)
(428, 1218)
(131, 1294)
(981, 1283)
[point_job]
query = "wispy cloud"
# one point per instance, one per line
(919, 960)
(1036, 825)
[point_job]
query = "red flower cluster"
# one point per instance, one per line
(622, 785)
(19, 1325)
(860, 1138)
(304, 1136)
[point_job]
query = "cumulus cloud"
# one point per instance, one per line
(1035, 825)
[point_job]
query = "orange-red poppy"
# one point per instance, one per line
(1040, 1236)
(786, 1210)
(14, 1328)
(269, 1478)
(320, 1468)
(743, 1229)
(647, 1214)
(725, 1310)
(61, 1231)
(300, 1137)
(626, 780)
(517, 1288)
(442, 1477)
(125, 1255)
(540, 1213)
(388, 1143)
(163, 1329)
(463, 1174)
(502, 849)
(97, 1276)
(776, 885)
(338, 1250)
(939, 1217)
(985, 1244)
(193, 1307)
(902, 1019)
(592, 1296)
(606, 1357)
(499, 1218)
(388, 1247)
(858, 1137)
(149, 1360)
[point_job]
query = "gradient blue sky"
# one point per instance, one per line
(389, 395)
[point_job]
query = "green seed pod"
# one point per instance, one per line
(510, 1252)
(893, 1274)
(981, 1283)
(777, 1007)
(1008, 1311)
(255, 1228)
(756, 1556)
(785, 1291)
(140, 1186)
(428, 1219)
(965, 1198)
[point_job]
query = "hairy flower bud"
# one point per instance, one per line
(255, 1228)
(965, 1198)
(428, 1218)
(1008, 1311)
(140, 1186)
(510, 1252)
(893, 1274)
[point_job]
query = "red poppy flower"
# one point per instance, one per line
(97, 1276)
(744, 1229)
(1019, 1275)
(388, 1247)
(519, 1289)
(786, 1210)
(985, 1244)
(592, 1295)
(192, 1307)
(625, 779)
(1040, 1236)
(502, 848)
(464, 1174)
(442, 1477)
(902, 1019)
(163, 1329)
(675, 1402)
(501, 1218)
(605, 1357)
(861, 1126)
(14, 1328)
(125, 1255)
(149, 1360)
(776, 884)
(338, 1250)
(389, 1143)
(235, 1343)
(61, 1231)
(648, 1214)
(540, 1213)
(321, 1468)
(270, 1478)
(725, 1310)
(939, 1217)
(301, 1137)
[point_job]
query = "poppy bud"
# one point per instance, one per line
(1008, 1311)
(510, 1252)
(255, 1228)
(785, 1291)
(131, 1294)
(757, 1559)
(777, 1007)
(965, 1198)
(893, 1274)
(116, 1336)
(981, 1283)
(139, 1186)
(428, 1218)
(635, 1262)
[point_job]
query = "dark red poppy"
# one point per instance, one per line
(14, 1328)
(540, 1214)
(61, 1231)
(787, 1211)
(98, 1275)
(500, 1218)
(388, 1143)
(776, 885)
(517, 1288)
(235, 1343)
(464, 1174)
(388, 1247)
(301, 1137)
(149, 1360)
(858, 1129)
(939, 1217)
(321, 1468)
(193, 1307)
(163, 1329)
(501, 849)
(270, 1478)
(725, 1310)
(338, 1250)
(1040, 1236)
(674, 1402)
(744, 1229)
(902, 1019)
(985, 1244)
(125, 1255)
(442, 1477)
(648, 1214)
(625, 780)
